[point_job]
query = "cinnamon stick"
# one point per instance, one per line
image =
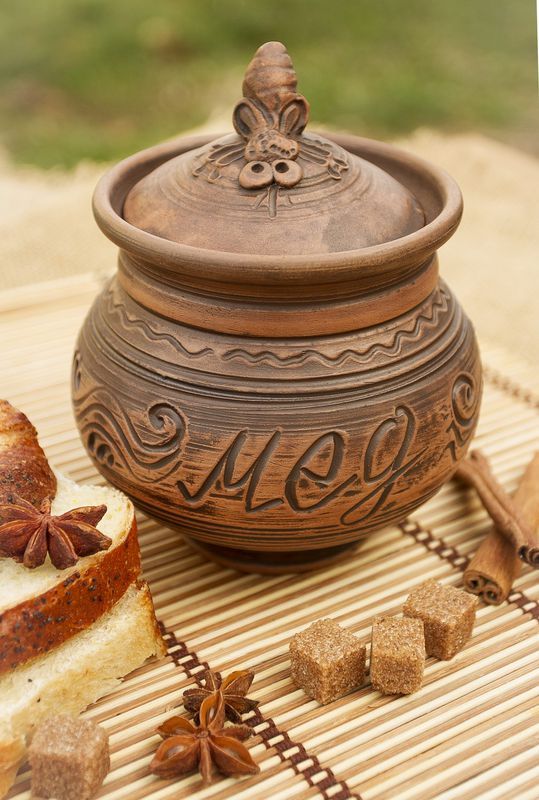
(475, 471)
(496, 565)
(493, 569)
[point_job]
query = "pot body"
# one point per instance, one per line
(276, 453)
(276, 409)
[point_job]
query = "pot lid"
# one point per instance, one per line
(271, 188)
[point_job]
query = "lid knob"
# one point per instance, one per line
(270, 118)
(273, 188)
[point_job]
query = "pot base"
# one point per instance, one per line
(273, 562)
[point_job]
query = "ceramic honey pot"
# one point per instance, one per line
(277, 369)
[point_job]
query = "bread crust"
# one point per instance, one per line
(160, 645)
(41, 623)
(24, 469)
(72, 686)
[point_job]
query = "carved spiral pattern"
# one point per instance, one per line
(465, 399)
(111, 435)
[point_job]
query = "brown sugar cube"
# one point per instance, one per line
(69, 758)
(327, 661)
(397, 655)
(448, 615)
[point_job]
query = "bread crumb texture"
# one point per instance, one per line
(84, 668)
(18, 583)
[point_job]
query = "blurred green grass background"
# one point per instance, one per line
(98, 79)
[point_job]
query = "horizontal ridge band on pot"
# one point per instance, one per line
(300, 314)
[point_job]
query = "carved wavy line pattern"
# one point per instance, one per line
(152, 334)
(423, 322)
(111, 436)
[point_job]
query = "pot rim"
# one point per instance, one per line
(229, 267)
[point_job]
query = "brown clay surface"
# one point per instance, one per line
(47, 230)
(276, 367)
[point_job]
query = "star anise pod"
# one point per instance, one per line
(27, 534)
(208, 746)
(234, 688)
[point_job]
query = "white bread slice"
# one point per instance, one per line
(41, 608)
(18, 583)
(76, 673)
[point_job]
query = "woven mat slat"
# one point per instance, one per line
(473, 729)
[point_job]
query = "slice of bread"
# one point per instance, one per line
(76, 673)
(41, 608)
(24, 469)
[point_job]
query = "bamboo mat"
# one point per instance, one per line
(473, 729)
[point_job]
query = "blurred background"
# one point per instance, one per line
(86, 82)
(95, 79)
